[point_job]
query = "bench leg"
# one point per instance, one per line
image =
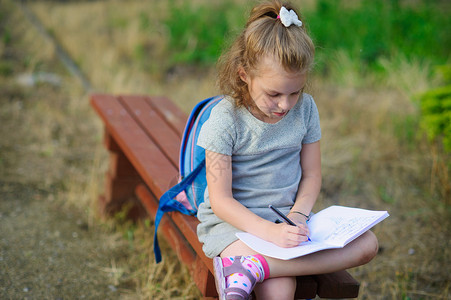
(202, 276)
(120, 182)
(205, 281)
(337, 285)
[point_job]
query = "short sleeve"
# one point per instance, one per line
(218, 132)
(312, 121)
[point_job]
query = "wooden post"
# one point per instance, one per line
(120, 182)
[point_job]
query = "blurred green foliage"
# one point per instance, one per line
(435, 107)
(406, 129)
(377, 29)
(6, 66)
(197, 32)
(367, 30)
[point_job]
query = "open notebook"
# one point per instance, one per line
(333, 227)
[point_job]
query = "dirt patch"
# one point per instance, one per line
(48, 252)
(51, 246)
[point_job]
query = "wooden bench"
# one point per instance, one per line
(142, 135)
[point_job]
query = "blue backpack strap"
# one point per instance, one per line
(191, 169)
(193, 154)
(168, 203)
(189, 124)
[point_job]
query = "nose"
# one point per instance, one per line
(284, 103)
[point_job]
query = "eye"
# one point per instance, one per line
(273, 95)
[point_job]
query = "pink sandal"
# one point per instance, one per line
(222, 272)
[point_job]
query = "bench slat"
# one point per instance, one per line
(170, 112)
(155, 125)
(200, 266)
(146, 132)
(183, 250)
(338, 283)
(306, 287)
(188, 226)
(142, 152)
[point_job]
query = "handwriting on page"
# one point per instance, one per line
(333, 227)
(348, 227)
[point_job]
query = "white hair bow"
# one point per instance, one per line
(289, 17)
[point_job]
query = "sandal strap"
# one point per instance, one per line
(241, 293)
(237, 267)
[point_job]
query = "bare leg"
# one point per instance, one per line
(358, 252)
(279, 288)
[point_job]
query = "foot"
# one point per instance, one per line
(236, 276)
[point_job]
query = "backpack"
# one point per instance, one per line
(188, 194)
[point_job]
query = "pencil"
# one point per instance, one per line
(285, 218)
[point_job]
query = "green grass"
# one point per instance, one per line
(435, 106)
(197, 33)
(367, 31)
(374, 152)
(376, 29)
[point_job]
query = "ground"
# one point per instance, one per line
(50, 246)
(48, 251)
(53, 244)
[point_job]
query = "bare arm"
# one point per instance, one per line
(219, 179)
(310, 184)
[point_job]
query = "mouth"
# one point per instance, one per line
(280, 114)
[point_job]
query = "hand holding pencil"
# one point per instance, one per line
(301, 224)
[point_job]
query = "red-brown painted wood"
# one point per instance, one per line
(204, 278)
(120, 167)
(199, 270)
(143, 135)
(164, 136)
(306, 287)
(170, 112)
(184, 251)
(139, 148)
(340, 284)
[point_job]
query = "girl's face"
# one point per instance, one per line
(273, 90)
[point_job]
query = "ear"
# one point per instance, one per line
(243, 75)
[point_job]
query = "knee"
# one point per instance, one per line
(370, 247)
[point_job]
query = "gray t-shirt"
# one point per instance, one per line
(265, 166)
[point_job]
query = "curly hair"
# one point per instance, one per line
(264, 35)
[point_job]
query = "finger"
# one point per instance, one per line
(300, 237)
(304, 238)
(296, 239)
(304, 233)
(304, 229)
(290, 244)
(295, 230)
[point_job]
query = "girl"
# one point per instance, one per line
(262, 147)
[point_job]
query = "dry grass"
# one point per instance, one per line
(370, 158)
(50, 142)
(365, 164)
(113, 35)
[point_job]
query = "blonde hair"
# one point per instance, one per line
(264, 35)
